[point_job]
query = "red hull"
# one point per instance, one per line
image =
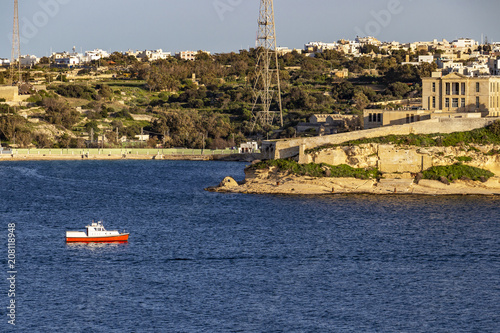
(119, 238)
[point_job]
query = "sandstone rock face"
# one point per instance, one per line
(228, 182)
(287, 184)
(406, 159)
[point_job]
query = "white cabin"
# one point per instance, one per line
(98, 230)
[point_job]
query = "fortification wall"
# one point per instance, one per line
(295, 147)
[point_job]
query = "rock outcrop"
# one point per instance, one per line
(409, 159)
(272, 181)
(228, 182)
(294, 185)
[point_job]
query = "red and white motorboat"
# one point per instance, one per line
(96, 233)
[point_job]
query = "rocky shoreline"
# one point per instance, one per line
(270, 181)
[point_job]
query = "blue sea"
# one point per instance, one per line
(207, 262)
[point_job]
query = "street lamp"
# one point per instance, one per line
(203, 143)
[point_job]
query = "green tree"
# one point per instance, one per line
(360, 100)
(398, 89)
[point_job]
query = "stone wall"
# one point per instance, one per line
(9, 93)
(287, 148)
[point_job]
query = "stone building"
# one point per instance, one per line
(373, 118)
(324, 124)
(458, 93)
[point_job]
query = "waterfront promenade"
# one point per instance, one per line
(114, 154)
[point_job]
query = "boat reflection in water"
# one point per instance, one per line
(96, 246)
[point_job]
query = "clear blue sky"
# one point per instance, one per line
(229, 25)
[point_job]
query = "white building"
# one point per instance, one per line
(29, 60)
(249, 147)
(319, 46)
(68, 61)
(368, 40)
(464, 43)
(4, 62)
(189, 55)
(421, 60)
(426, 58)
(95, 55)
(477, 69)
(153, 55)
(282, 50)
(59, 55)
(448, 65)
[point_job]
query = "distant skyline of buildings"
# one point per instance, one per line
(200, 24)
(453, 53)
(347, 48)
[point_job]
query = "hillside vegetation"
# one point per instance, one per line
(318, 170)
(441, 173)
(203, 103)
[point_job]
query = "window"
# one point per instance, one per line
(477, 87)
(434, 87)
(463, 88)
(463, 102)
(477, 102)
(448, 88)
(412, 118)
(407, 118)
(379, 117)
(370, 117)
(434, 102)
(455, 103)
(456, 87)
(447, 103)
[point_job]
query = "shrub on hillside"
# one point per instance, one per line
(77, 91)
(59, 112)
(319, 170)
(457, 171)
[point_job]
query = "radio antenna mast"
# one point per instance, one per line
(16, 46)
(267, 69)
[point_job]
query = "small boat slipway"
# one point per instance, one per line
(96, 233)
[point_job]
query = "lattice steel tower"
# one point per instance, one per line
(16, 46)
(267, 83)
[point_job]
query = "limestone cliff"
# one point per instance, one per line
(393, 159)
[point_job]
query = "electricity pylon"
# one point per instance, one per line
(267, 84)
(16, 46)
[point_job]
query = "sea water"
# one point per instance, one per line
(207, 262)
